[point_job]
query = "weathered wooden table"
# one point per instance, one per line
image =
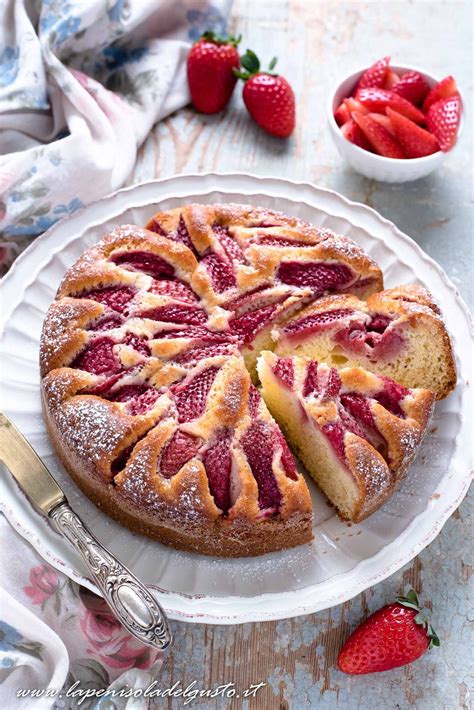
(315, 43)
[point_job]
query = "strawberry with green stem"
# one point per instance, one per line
(268, 96)
(210, 65)
(395, 635)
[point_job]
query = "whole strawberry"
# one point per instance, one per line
(211, 79)
(395, 635)
(268, 97)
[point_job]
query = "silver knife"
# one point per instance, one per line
(129, 600)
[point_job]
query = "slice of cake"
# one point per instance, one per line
(356, 432)
(398, 333)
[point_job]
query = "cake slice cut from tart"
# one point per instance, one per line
(356, 432)
(398, 333)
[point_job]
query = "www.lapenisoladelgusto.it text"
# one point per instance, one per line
(189, 693)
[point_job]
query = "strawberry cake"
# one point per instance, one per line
(148, 364)
(145, 359)
(356, 432)
(398, 333)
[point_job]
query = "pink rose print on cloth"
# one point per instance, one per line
(44, 583)
(108, 640)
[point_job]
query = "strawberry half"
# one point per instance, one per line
(374, 75)
(268, 97)
(395, 635)
(415, 141)
(378, 99)
(412, 86)
(379, 138)
(210, 65)
(351, 131)
(443, 119)
(442, 90)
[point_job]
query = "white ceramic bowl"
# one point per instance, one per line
(369, 164)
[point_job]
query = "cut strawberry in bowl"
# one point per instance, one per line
(413, 147)
(354, 134)
(341, 114)
(412, 86)
(444, 89)
(391, 78)
(353, 105)
(379, 138)
(443, 119)
(380, 99)
(415, 141)
(384, 121)
(375, 75)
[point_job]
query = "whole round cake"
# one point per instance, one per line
(148, 363)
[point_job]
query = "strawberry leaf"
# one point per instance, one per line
(250, 61)
(433, 637)
(420, 620)
(272, 64)
(410, 601)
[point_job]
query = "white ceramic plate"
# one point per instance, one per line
(342, 560)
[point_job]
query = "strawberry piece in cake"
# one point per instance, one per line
(180, 449)
(220, 273)
(217, 460)
(190, 397)
(398, 333)
(176, 313)
(231, 247)
(98, 357)
(116, 298)
(356, 432)
(191, 356)
(175, 289)
(320, 277)
(146, 262)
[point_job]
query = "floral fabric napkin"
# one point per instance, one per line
(81, 84)
(59, 639)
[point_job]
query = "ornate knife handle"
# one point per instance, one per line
(130, 601)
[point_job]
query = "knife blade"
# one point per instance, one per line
(28, 469)
(129, 600)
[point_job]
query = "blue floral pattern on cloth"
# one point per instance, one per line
(54, 19)
(13, 644)
(97, 87)
(9, 62)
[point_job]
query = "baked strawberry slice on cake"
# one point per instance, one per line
(398, 333)
(356, 432)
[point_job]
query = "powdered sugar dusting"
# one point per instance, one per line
(89, 428)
